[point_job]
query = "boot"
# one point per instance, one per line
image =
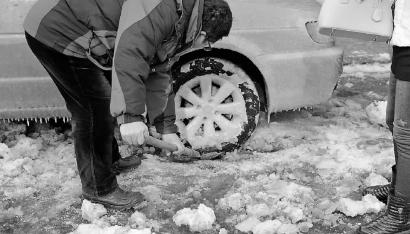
(394, 220)
(117, 199)
(381, 192)
(125, 164)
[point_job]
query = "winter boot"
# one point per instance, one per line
(124, 164)
(117, 199)
(394, 220)
(381, 192)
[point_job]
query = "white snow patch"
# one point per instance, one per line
(267, 227)
(248, 224)
(376, 111)
(359, 69)
(97, 229)
(198, 220)
(137, 219)
(258, 210)
(368, 204)
(91, 211)
(375, 179)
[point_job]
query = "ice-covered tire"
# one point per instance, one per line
(216, 104)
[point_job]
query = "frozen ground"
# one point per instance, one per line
(301, 173)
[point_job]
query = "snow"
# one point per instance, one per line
(198, 220)
(303, 170)
(368, 204)
(376, 111)
(137, 219)
(362, 70)
(375, 179)
(92, 212)
(96, 229)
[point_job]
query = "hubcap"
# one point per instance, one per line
(210, 111)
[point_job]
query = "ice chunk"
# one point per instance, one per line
(368, 204)
(137, 219)
(376, 112)
(294, 213)
(248, 224)
(234, 201)
(198, 220)
(96, 229)
(288, 228)
(258, 210)
(5, 152)
(267, 227)
(375, 179)
(223, 231)
(91, 211)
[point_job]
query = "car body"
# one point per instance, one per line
(268, 43)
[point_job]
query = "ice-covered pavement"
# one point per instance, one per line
(302, 173)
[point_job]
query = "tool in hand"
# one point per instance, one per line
(187, 155)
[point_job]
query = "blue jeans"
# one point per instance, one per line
(398, 120)
(87, 91)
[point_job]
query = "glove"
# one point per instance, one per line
(173, 139)
(134, 133)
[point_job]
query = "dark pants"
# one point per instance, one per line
(86, 90)
(398, 120)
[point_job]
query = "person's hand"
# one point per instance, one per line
(134, 133)
(173, 139)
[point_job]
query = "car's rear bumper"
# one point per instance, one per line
(300, 79)
(26, 91)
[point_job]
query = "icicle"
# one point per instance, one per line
(55, 119)
(28, 122)
(41, 120)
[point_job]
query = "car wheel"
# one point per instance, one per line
(216, 104)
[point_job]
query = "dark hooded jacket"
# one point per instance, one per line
(130, 36)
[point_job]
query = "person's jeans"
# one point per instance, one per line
(398, 120)
(86, 90)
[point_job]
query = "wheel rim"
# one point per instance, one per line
(210, 111)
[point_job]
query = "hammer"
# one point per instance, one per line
(187, 155)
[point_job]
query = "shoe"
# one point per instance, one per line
(125, 164)
(394, 220)
(381, 192)
(117, 199)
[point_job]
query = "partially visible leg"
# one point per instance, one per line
(401, 136)
(382, 191)
(397, 215)
(87, 94)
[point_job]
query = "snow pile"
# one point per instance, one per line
(375, 179)
(137, 220)
(198, 220)
(269, 227)
(368, 204)
(97, 229)
(359, 70)
(100, 223)
(376, 111)
(92, 212)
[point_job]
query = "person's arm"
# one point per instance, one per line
(143, 25)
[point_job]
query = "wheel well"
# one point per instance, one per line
(239, 59)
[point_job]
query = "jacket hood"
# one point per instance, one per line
(192, 11)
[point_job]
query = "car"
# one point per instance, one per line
(268, 63)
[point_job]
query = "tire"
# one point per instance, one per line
(216, 104)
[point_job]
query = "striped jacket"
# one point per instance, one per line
(129, 36)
